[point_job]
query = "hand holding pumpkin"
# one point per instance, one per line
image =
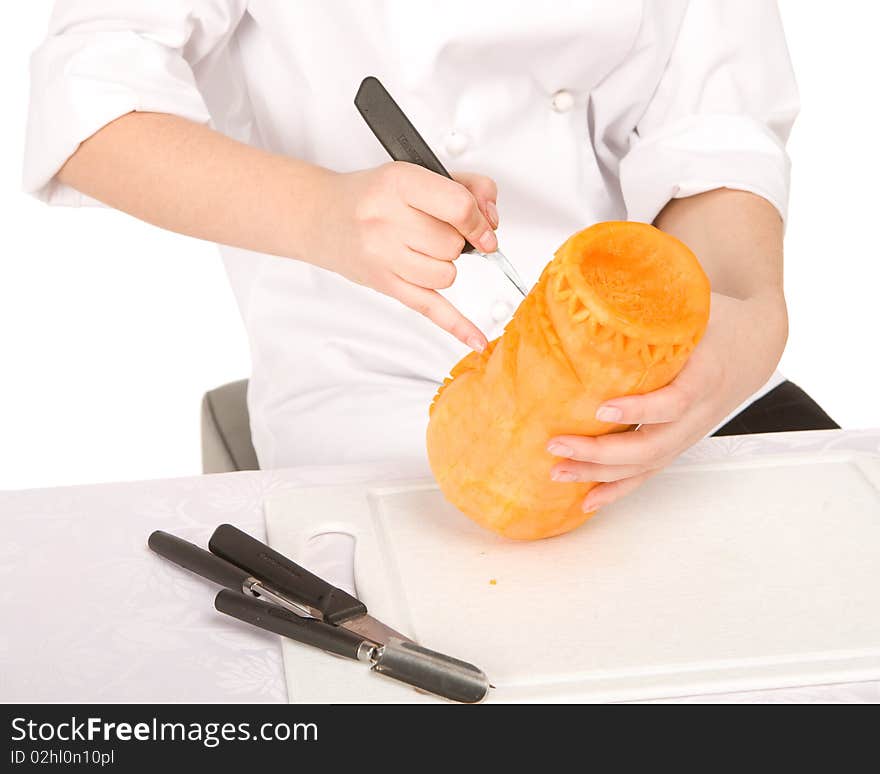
(617, 311)
(724, 369)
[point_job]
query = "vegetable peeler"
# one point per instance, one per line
(403, 143)
(269, 591)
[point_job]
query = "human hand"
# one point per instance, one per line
(399, 229)
(741, 346)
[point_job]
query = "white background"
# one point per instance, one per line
(111, 330)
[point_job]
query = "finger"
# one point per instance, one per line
(698, 379)
(450, 202)
(650, 445)
(668, 404)
(605, 494)
(424, 271)
(571, 470)
(439, 311)
(429, 236)
(481, 186)
(485, 191)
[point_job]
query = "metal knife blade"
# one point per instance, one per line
(502, 262)
(373, 629)
(406, 662)
(364, 625)
(431, 671)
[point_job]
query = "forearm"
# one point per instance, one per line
(737, 237)
(397, 228)
(187, 178)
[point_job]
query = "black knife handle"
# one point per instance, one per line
(392, 128)
(197, 560)
(395, 131)
(272, 618)
(285, 576)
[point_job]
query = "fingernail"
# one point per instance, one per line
(559, 450)
(492, 211)
(476, 344)
(563, 475)
(488, 243)
(609, 414)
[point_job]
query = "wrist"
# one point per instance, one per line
(305, 205)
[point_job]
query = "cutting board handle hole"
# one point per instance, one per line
(330, 555)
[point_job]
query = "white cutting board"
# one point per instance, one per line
(713, 577)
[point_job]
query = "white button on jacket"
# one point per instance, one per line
(500, 311)
(456, 143)
(673, 98)
(563, 101)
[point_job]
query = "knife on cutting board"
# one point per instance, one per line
(320, 598)
(401, 660)
(267, 590)
(403, 143)
(195, 559)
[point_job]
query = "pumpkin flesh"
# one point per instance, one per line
(616, 312)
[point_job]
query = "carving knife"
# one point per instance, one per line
(302, 610)
(400, 660)
(316, 596)
(403, 143)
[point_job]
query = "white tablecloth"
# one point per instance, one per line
(89, 614)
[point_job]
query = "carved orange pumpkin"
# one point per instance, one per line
(616, 312)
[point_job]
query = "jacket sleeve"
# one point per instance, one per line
(102, 59)
(721, 114)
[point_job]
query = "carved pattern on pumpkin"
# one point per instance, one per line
(617, 311)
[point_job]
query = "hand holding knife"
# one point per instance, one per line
(403, 143)
(268, 590)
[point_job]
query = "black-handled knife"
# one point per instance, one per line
(401, 660)
(394, 130)
(328, 602)
(198, 560)
(322, 599)
(403, 143)
(294, 608)
(272, 618)
(214, 568)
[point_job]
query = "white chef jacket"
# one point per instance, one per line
(582, 111)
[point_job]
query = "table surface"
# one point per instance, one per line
(91, 615)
